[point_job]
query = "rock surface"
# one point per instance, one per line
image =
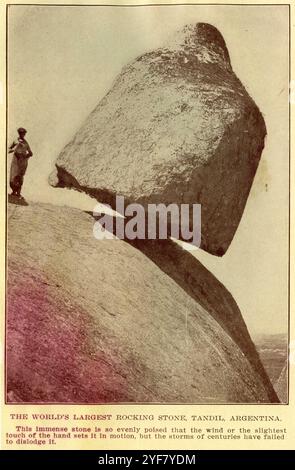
(98, 321)
(281, 386)
(178, 127)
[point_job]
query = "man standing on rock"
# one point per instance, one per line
(21, 154)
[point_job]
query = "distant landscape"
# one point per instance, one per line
(273, 351)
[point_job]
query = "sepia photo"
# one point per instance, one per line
(147, 204)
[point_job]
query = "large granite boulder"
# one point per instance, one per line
(177, 126)
(103, 321)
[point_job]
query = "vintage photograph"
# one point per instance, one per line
(147, 204)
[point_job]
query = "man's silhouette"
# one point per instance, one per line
(21, 154)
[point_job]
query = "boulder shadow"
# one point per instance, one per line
(201, 285)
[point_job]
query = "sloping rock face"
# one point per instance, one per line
(98, 321)
(177, 127)
(281, 386)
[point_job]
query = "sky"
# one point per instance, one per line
(62, 61)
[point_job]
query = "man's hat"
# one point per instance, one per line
(21, 130)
